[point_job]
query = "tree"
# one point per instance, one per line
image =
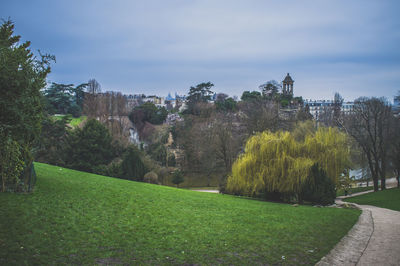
(251, 96)
(89, 147)
(177, 178)
(64, 98)
(394, 154)
(50, 147)
(132, 165)
(337, 107)
(270, 89)
(22, 76)
(259, 115)
(91, 98)
(148, 112)
(59, 97)
(226, 105)
(201, 93)
(278, 163)
(304, 114)
(318, 188)
(227, 139)
(370, 125)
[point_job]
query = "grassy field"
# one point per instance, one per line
(79, 218)
(353, 190)
(389, 198)
(75, 121)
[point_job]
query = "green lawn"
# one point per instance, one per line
(389, 198)
(79, 218)
(75, 121)
(353, 190)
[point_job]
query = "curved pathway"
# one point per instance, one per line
(373, 240)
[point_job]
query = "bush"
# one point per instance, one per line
(11, 163)
(151, 178)
(284, 103)
(132, 166)
(318, 189)
(163, 174)
(177, 178)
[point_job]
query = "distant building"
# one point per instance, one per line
(316, 107)
(347, 108)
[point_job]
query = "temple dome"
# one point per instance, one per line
(288, 79)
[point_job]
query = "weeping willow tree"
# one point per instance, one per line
(330, 149)
(278, 162)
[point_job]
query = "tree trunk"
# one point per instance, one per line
(383, 183)
(375, 179)
(398, 180)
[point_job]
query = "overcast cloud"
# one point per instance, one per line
(156, 47)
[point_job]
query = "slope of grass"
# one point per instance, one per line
(353, 190)
(75, 121)
(389, 198)
(79, 218)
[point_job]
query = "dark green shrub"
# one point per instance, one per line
(319, 189)
(132, 166)
(158, 152)
(50, 146)
(284, 103)
(89, 147)
(177, 178)
(11, 163)
(112, 170)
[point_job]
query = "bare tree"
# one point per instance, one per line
(370, 126)
(259, 115)
(90, 104)
(394, 154)
(337, 107)
(227, 139)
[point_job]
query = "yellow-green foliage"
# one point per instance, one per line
(278, 162)
(329, 147)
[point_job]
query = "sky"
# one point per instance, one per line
(162, 46)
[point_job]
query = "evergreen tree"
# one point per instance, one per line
(89, 147)
(22, 76)
(201, 93)
(132, 165)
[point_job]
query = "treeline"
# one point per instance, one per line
(212, 135)
(93, 149)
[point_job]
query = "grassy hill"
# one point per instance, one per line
(79, 218)
(389, 198)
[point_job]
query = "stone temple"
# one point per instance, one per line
(287, 88)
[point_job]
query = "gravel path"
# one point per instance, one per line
(373, 240)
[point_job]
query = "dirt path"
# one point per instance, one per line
(373, 240)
